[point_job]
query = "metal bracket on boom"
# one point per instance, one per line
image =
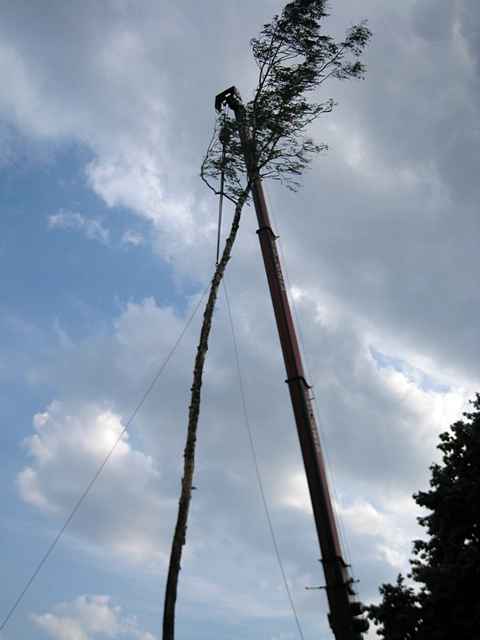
(341, 585)
(270, 230)
(307, 386)
(333, 558)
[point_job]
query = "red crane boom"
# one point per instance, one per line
(344, 611)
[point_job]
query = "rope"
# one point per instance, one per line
(95, 477)
(257, 468)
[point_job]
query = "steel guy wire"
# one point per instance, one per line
(101, 467)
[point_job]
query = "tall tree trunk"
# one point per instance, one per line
(193, 415)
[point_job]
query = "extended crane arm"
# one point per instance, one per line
(344, 610)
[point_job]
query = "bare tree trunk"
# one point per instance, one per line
(193, 415)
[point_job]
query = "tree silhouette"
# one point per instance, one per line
(443, 601)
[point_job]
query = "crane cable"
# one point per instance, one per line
(257, 467)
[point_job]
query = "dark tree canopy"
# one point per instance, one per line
(293, 58)
(446, 565)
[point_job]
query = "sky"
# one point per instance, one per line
(107, 241)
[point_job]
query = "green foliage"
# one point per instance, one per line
(445, 566)
(293, 59)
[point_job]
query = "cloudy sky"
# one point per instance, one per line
(107, 241)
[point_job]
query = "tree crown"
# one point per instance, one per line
(446, 565)
(293, 58)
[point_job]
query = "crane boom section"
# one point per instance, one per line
(338, 581)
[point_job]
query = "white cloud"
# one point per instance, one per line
(390, 528)
(378, 425)
(383, 239)
(386, 530)
(131, 508)
(67, 448)
(133, 238)
(386, 429)
(119, 104)
(71, 221)
(88, 617)
(379, 244)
